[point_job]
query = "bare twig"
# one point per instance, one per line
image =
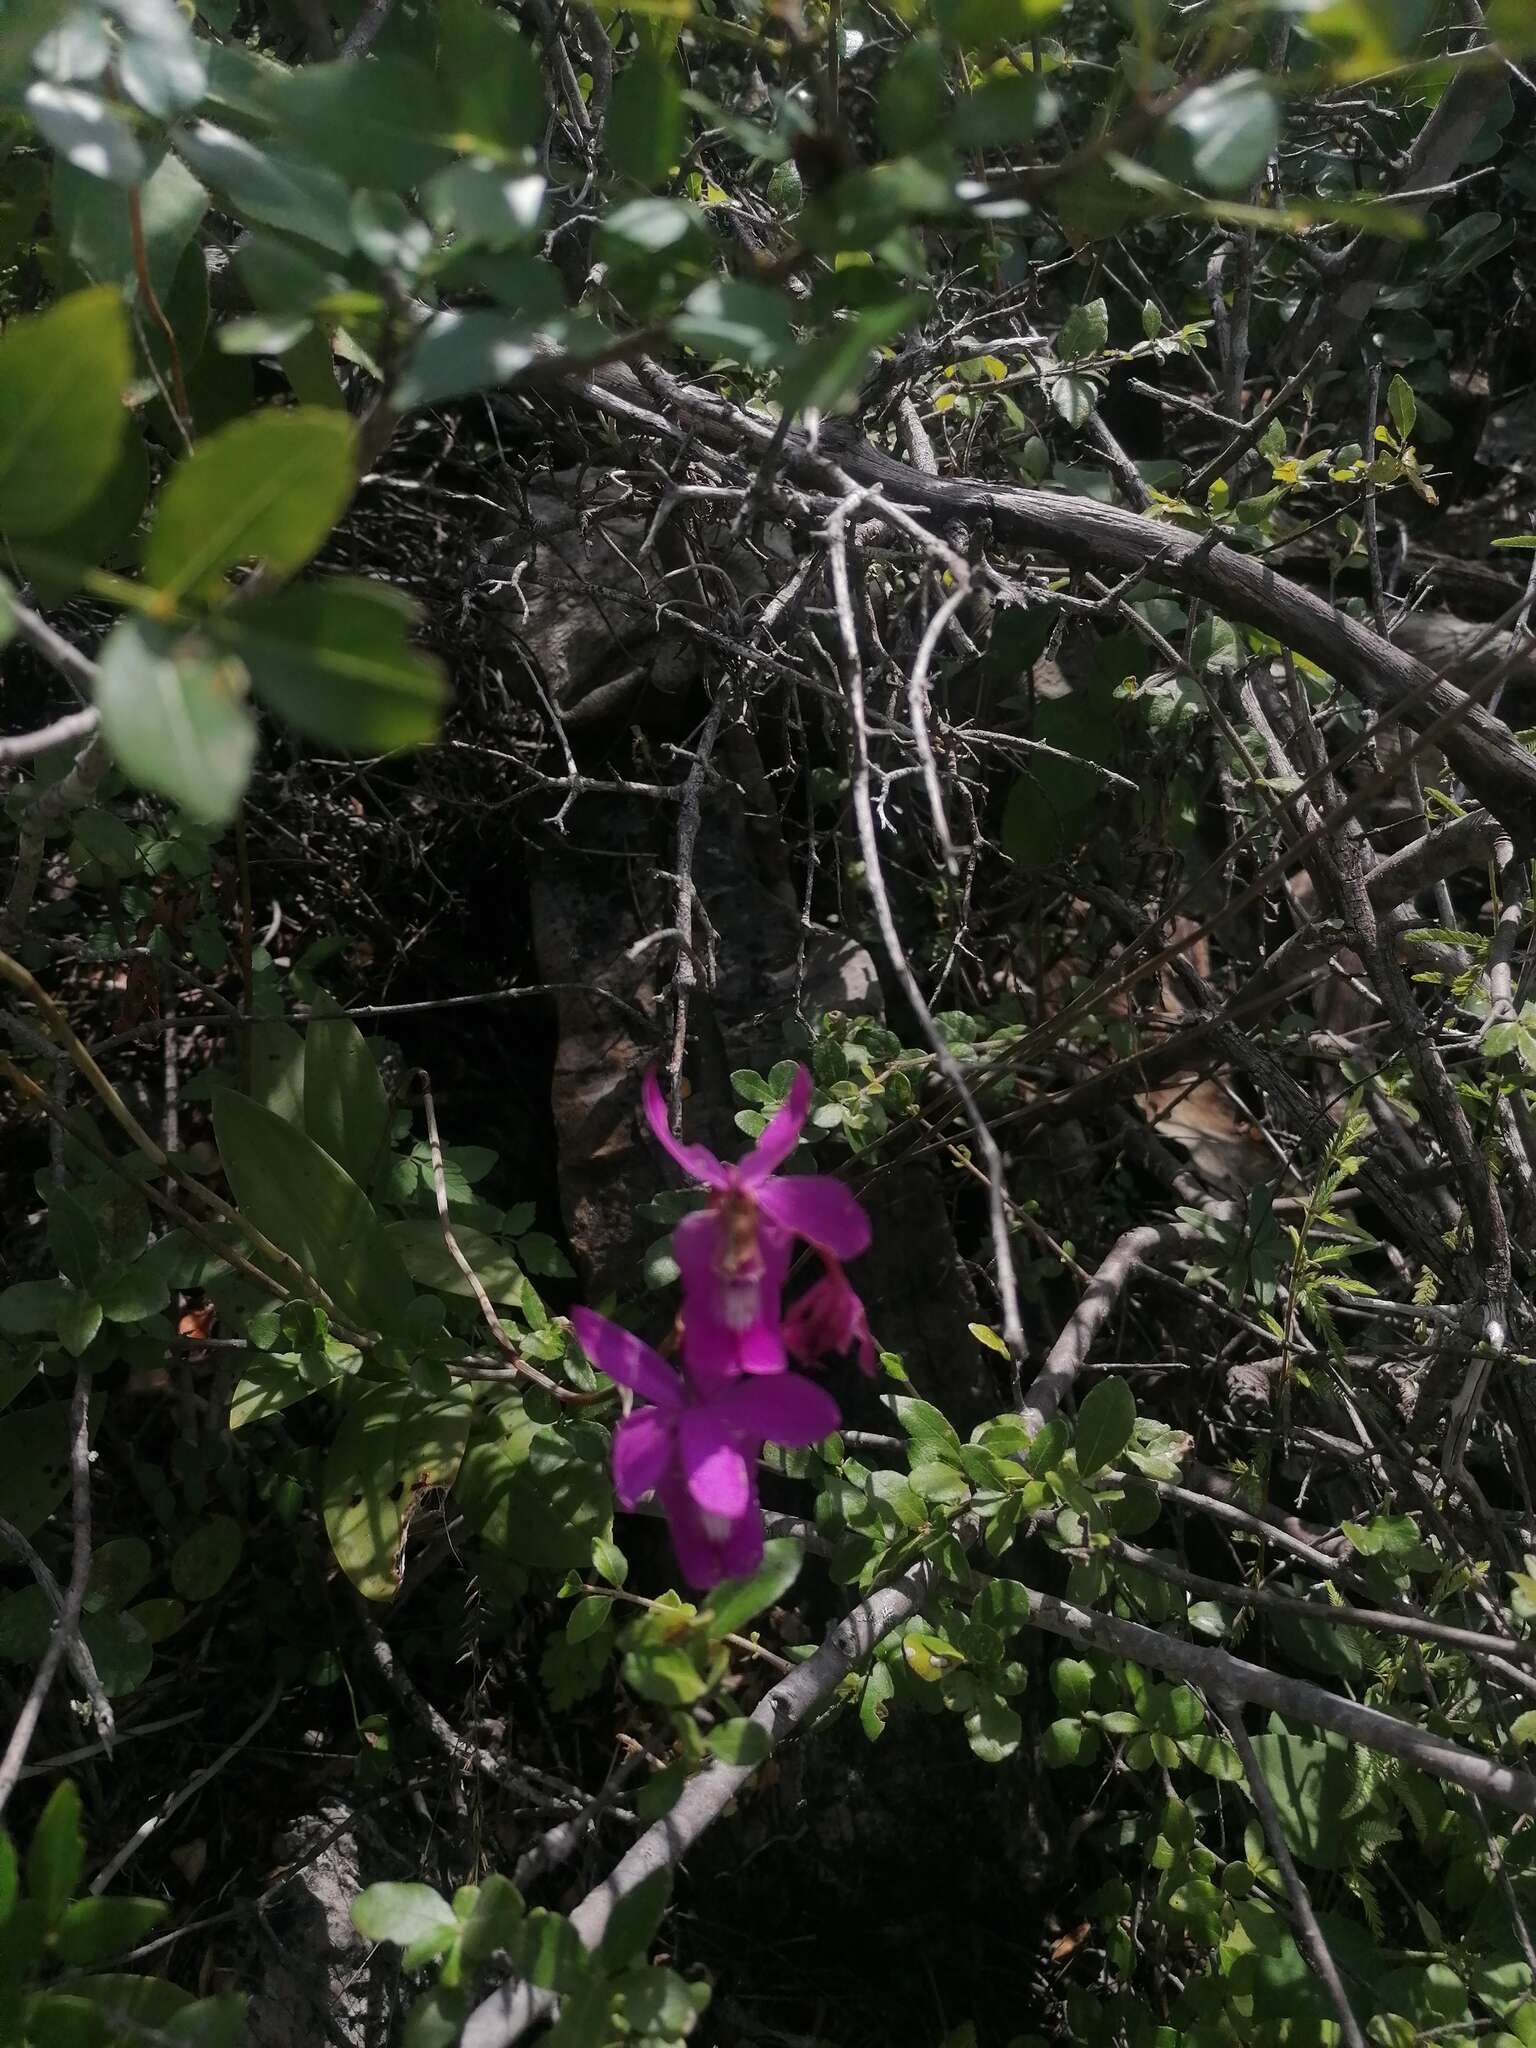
(74, 1595)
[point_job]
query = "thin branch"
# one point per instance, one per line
(874, 880)
(1309, 1935)
(74, 1596)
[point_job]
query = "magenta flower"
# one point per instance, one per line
(829, 1320)
(733, 1255)
(696, 1447)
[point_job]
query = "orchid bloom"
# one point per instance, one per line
(734, 1255)
(696, 1448)
(829, 1320)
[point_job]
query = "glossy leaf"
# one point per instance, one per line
(464, 352)
(267, 488)
(87, 132)
(299, 1197)
(1229, 129)
(391, 1447)
(173, 716)
(736, 1602)
(203, 1564)
(346, 1108)
(644, 129)
(378, 123)
(333, 659)
(56, 1854)
(264, 185)
(489, 77)
(747, 322)
(62, 378)
(1105, 1420)
(418, 1242)
(34, 1464)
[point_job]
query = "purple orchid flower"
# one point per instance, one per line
(734, 1255)
(696, 1447)
(829, 1320)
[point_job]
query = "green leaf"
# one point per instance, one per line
(546, 1949)
(636, 1919)
(587, 1617)
(72, 1237)
(333, 658)
(92, 222)
(665, 1673)
(79, 1319)
(378, 123)
(418, 1242)
(875, 1694)
(264, 185)
(745, 321)
(993, 1730)
(346, 1109)
(1004, 110)
(496, 1912)
(204, 1563)
(270, 487)
(826, 368)
(86, 131)
(56, 1854)
(392, 1446)
(923, 1422)
(1311, 1782)
(911, 99)
(1228, 130)
(644, 129)
(1003, 1604)
(464, 352)
(1084, 332)
(735, 1602)
(1105, 1421)
(437, 2018)
(743, 1743)
(489, 77)
(121, 1651)
(9, 1877)
(120, 1570)
(1512, 23)
(34, 1464)
(100, 533)
(1074, 398)
(174, 718)
(31, 1308)
(1068, 1742)
(299, 1197)
(162, 65)
(277, 1061)
(1072, 1683)
(488, 207)
(405, 1914)
(532, 1500)
(62, 377)
(1402, 406)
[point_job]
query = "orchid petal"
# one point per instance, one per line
(642, 1453)
(781, 1136)
(709, 1548)
(714, 1464)
(819, 1209)
(782, 1408)
(622, 1355)
(828, 1320)
(730, 1322)
(695, 1160)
